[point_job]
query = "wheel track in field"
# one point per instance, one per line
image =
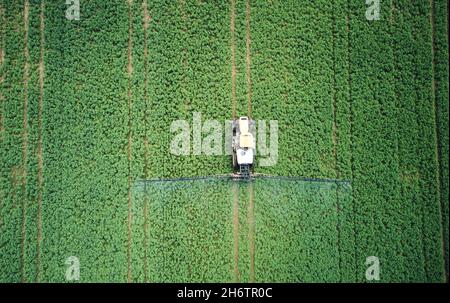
(251, 205)
(130, 138)
(437, 133)
(235, 188)
(40, 177)
(26, 10)
(233, 56)
(236, 231)
(248, 58)
(251, 230)
(146, 147)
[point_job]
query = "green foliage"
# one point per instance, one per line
(441, 82)
(297, 231)
(292, 70)
(189, 235)
(394, 161)
(85, 139)
(13, 194)
(188, 70)
(354, 99)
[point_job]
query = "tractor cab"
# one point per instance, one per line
(243, 144)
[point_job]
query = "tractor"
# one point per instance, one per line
(243, 145)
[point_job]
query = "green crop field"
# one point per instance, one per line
(86, 107)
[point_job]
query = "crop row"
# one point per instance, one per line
(292, 74)
(180, 56)
(188, 237)
(297, 231)
(21, 131)
(440, 13)
(86, 124)
(408, 162)
(12, 163)
(394, 182)
(119, 103)
(186, 70)
(376, 197)
(291, 231)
